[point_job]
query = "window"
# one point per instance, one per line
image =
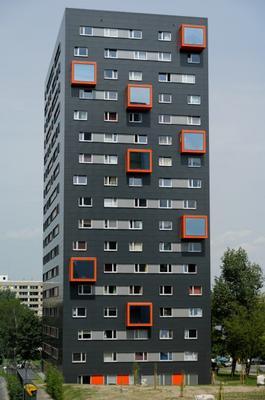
(81, 51)
(139, 96)
(110, 53)
(84, 73)
(190, 334)
(110, 289)
(164, 119)
(110, 224)
(135, 246)
(110, 116)
(165, 246)
(165, 268)
(140, 356)
(190, 204)
(165, 312)
(163, 56)
(165, 162)
(80, 115)
(192, 37)
(85, 158)
(139, 161)
(136, 224)
(140, 203)
(194, 162)
(136, 118)
(84, 334)
(195, 290)
(110, 246)
(190, 356)
(110, 202)
(194, 58)
(86, 31)
(195, 312)
(110, 159)
(110, 312)
(166, 290)
(134, 34)
(80, 245)
(79, 312)
(78, 357)
(84, 290)
(140, 55)
(192, 99)
(85, 202)
(165, 140)
(193, 141)
(194, 226)
(109, 357)
(191, 247)
(110, 181)
(110, 335)
(135, 76)
(135, 290)
(165, 203)
(140, 139)
(137, 334)
(195, 183)
(110, 74)
(166, 36)
(165, 225)
(83, 269)
(110, 137)
(85, 137)
(193, 121)
(165, 334)
(140, 268)
(110, 95)
(176, 78)
(163, 77)
(110, 268)
(165, 182)
(165, 356)
(135, 181)
(139, 314)
(190, 269)
(164, 98)
(110, 32)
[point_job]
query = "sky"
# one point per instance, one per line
(28, 29)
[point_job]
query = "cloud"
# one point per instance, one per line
(21, 234)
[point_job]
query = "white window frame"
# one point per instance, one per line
(162, 225)
(193, 290)
(81, 202)
(137, 269)
(83, 225)
(187, 334)
(190, 356)
(110, 138)
(192, 120)
(75, 312)
(162, 247)
(110, 95)
(85, 158)
(107, 116)
(107, 245)
(161, 98)
(198, 184)
(76, 179)
(162, 312)
(108, 181)
(82, 358)
(77, 51)
(111, 32)
(110, 357)
(169, 354)
(132, 117)
(164, 119)
(82, 31)
(80, 334)
(133, 76)
(132, 35)
(138, 141)
(191, 99)
(111, 224)
(140, 55)
(167, 142)
(191, 161)
(137, 202)
(136, 246)
(114, 72)
(133, 178)
(106, 290)
(107, 53)
(164, 56)
(106, 312)
(133, 290)
(162, 290)
(76, 246)
(145, 356)
(169, 203)
(80, 290)
(134, 222)
(168, 267)
(113, 334)
(113, 268)
(168, 336)
(162, 36)
(195, 312)
(77, 115)
(186, 269)
(166, 182)
(113, 202)
(81, 137)
(110, 159)
(165, 161)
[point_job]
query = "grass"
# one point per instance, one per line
(235, 380)
(245, 396)
(78, 393)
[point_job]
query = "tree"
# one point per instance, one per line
(235, 303)
(54, 382)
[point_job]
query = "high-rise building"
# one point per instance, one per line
(126, 199)
(28, 292)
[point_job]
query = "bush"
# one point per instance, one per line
(54, 382)
(14, 387)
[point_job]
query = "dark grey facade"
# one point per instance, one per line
(153, 260)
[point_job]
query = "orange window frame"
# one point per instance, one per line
(185, 46)
(123, 379)
(97, 380)
(90, 83)
(71, 269)
(139, 106)
(145, 171)
(184, 234)
(177, 379)
(182, 143)
(147, 324)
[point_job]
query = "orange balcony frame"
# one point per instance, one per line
(184, 234)
(71, 269)
(143, 171)
(191, 47)
(140, 325)
(87, 83)
(123, 380)
(97, 380)
(177, 379)
(139, 106)
(182, 143)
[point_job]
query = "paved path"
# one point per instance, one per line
(3, 390)
(42, 395)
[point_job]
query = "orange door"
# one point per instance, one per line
(177, 379)
(122, 379)
(97, 380)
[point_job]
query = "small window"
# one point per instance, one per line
(79, 312)
(140, 356)
(110, 224)
(110, 289)
(110, 159)
(165, 98)
(195, 290)
(109, 357)
(80, 180)
(110, 95)
(85, 137)
(140, 268)
(195, 312)
(192, 99)
(194, 162)
(110, 74)
(165, 246)
(136, 224)
(193, 58)
(139, 55)
(135, 290)
(80, 115)
(189, 269)
(165, 268)
(163, 77)
(110, 53)
(85, 223)
(166, 290)
(80, 245)
(165, 140)
(135, 34)
(78, 357)
(165, 161)
(110, 202)
(165, 312)
(165, 203)
(190, 334)
(137, 182)
(110, 181)
(135, 76)
(81, 51)
(163, 56)
(190, 204)
(165, 182)
(164, 119)
(136, 118)
(110, 116)
(110, 32)
(140, 139)
(84, 290)
(190, 356)
(165, 356)
(110, 137)
(110, 335)
(140, 203)
(166, 36)
(110, 246)
(84, 334)
(166, 334)
(165, 225)
(110, 312)
(135, 246)
(86, 31)
(85, 158)
(110, 268)
(85, 202)
(195, 183)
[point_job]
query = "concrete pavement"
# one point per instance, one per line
(3, 389)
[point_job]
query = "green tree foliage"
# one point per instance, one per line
(54, 382)
(238, 310)
(20, 329)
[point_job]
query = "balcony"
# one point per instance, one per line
(192, 37)
(84, 73)
(194, 227)
(83, 269)
(139, 315)
(139, 97)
